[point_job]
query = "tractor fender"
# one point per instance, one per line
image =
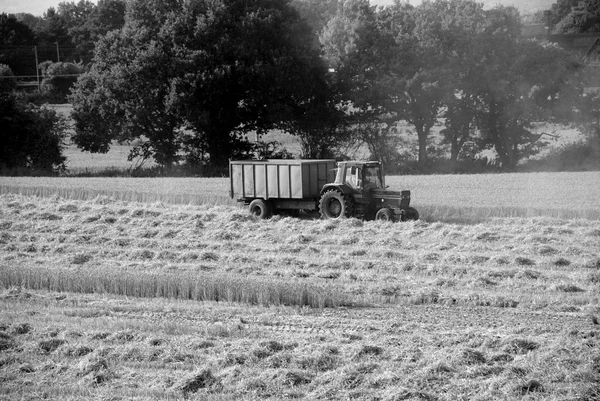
(343, 188)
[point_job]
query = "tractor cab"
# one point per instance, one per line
(360, 176)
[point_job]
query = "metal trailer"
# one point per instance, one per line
(269, 186)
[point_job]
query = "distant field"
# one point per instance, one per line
(438, 197)
(85, 162)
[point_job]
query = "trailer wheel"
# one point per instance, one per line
(410, 213)
(384, 214)
(334, 205)
(260, 209)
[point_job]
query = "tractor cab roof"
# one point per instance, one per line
(358, 163)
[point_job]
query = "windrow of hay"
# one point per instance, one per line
(197, 287)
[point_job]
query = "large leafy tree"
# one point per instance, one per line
(203, 74)
(389, 74)
(453, 30)
(123, 96)
(354, 49)
(248, 64)
(525, 82)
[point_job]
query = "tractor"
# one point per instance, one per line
(359, 190)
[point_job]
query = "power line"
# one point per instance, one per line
(53, 47)
(35, 76)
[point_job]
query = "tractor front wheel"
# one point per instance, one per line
(410, 213)
(384, 214)
(335, 205)
(260, 208)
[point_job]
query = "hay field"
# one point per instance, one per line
(109, 298)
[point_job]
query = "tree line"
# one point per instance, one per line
(192, 82)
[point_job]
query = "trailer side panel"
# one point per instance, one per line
(279, 179)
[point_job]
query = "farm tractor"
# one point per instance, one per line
(359, 191)
(335, 190)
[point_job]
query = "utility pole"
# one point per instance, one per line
(57, 53)
(37, 70)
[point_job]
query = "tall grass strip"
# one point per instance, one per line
(197, 287)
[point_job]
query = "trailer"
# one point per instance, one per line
(272, 186)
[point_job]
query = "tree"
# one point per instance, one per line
(321, 125)
(317, 13)
(219, 69)
(53, 30)
(31, 137)
(526, 81)
(95, 22)
(16, 41)
(575, 16)
(7, 79)
(59, 78)
(453, 31)
(14, 32)
(249, 64)
(354, 50)
(123, 96)
(75, 27)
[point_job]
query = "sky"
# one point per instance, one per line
(38, 7)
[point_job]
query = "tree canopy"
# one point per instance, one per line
(201, 74)
(448, 60)
(575, 16)
(192, 81)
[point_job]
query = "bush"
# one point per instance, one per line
(7, 79)
(58, 79)
(31, 138)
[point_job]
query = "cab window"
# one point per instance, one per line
(353, 176)
(372, 178)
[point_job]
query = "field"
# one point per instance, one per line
(163, 289)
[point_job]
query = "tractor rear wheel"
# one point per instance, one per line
(384, 214)
(260, 208)
(335, 205)
(410, 213)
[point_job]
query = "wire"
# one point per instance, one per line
(41, 76)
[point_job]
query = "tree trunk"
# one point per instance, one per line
(454, 151)
(219, 147)
(422, 134)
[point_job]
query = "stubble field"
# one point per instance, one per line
(109, 297)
